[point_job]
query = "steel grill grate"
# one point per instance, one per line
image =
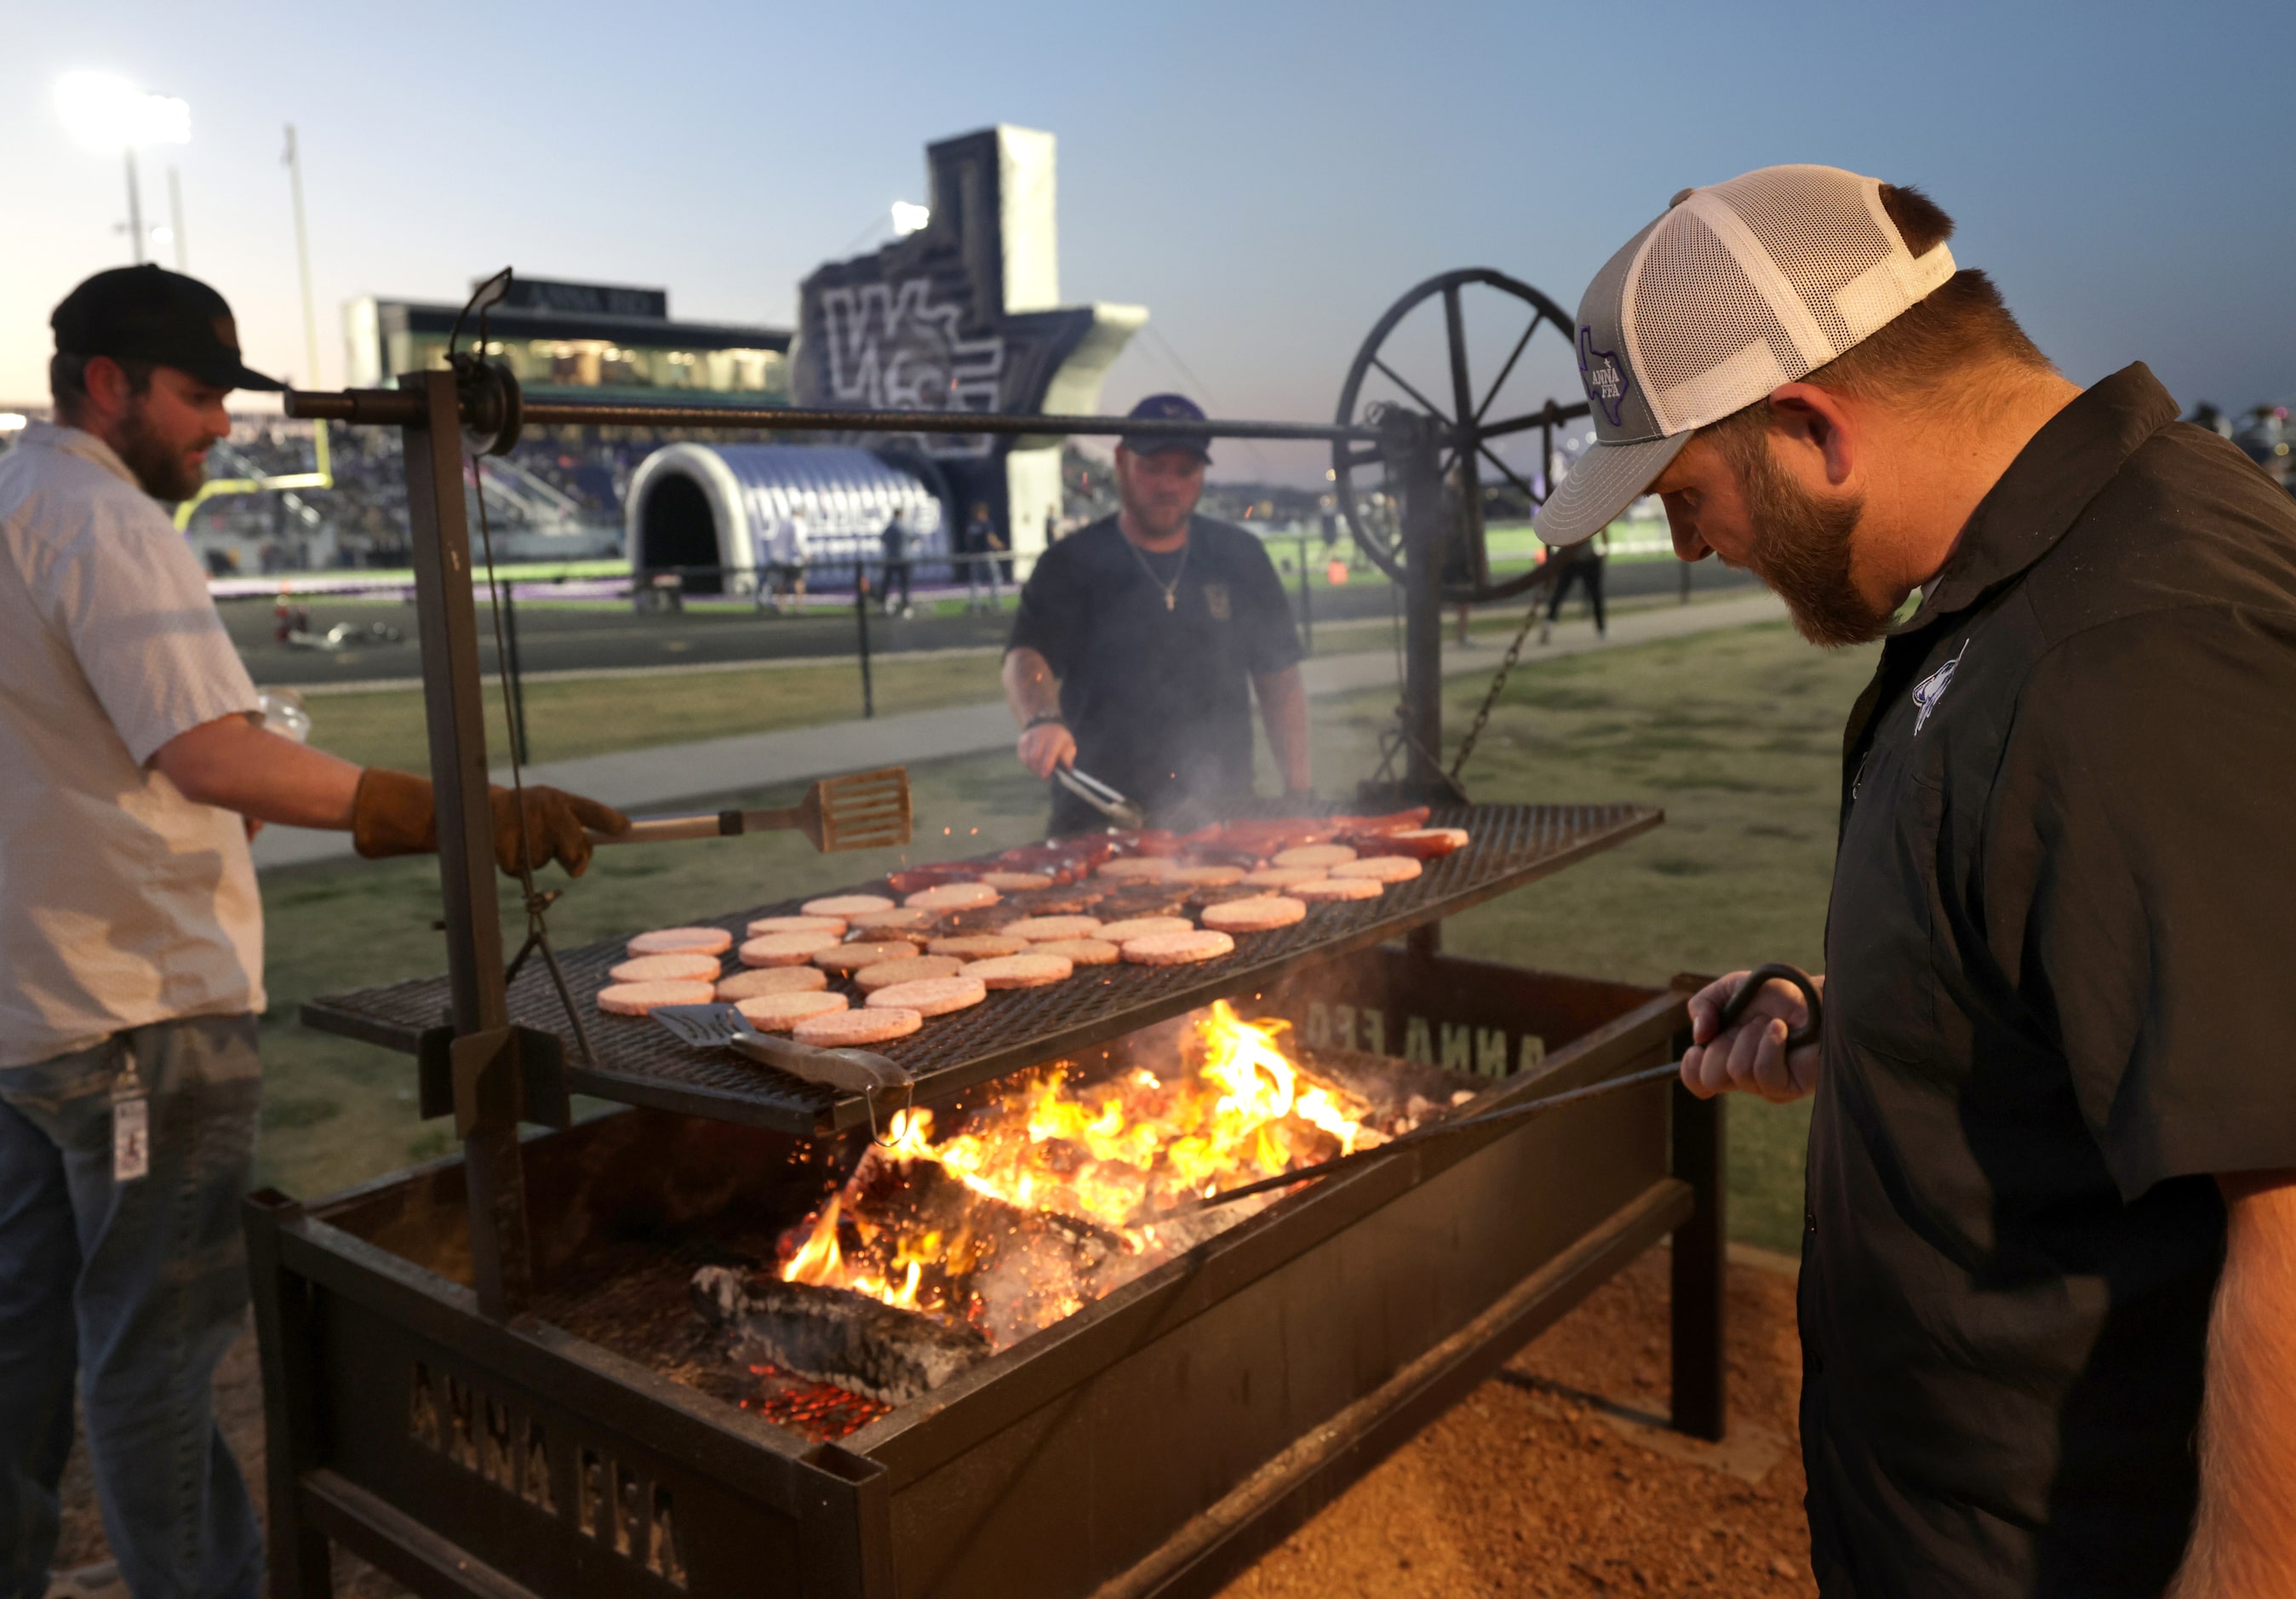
(640, 1063)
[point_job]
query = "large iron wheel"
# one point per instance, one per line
(1438, 383)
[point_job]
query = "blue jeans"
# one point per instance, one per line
(140, 1286)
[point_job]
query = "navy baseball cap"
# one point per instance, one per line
(1166, 407)
(149, 313)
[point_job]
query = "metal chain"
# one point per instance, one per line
(537, 903)
(1499, 683)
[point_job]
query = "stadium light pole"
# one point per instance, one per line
(293, 161)
(106, 113)
(176, 218)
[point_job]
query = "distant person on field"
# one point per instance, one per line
(1582, 564)
(895, 541)
(790, 557)
(982, 545)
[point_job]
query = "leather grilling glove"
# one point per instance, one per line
(395, 813)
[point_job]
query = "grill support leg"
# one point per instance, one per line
(299, 1554)
(1412, 448)
(1699, 1284)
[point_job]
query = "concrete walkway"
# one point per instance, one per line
(664, 775)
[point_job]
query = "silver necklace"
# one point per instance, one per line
(1171, 589)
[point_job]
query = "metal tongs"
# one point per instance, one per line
(876, 1079)
(1108, 802)
(1733, 1008)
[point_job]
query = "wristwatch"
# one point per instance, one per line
(1052, 716)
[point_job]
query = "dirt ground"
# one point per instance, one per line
(1558, 1478)
(1555, 1479)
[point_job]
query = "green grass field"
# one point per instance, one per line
(568, 718)
(1736, 734)
(571, 717)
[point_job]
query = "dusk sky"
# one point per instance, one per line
(1266, 179)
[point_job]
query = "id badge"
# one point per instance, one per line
(131, 1128)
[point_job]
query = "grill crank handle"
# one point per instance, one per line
(1778, 972)
(1733, 1008)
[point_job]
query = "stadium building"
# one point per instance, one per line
(587, 340)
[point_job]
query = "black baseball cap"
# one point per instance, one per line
(149, 313)
(1166, 407)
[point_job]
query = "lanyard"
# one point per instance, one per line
(131, 1124)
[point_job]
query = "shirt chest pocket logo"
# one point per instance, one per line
(1216, 601)
(1930, 689)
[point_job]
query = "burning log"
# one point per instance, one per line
(1006, 1269)
(834, 1335)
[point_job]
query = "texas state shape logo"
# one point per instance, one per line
(1604, 377)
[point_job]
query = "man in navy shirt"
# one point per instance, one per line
(1143, 640)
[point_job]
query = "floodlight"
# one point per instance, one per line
(909, 218)
(107, 113)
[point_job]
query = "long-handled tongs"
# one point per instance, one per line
(862, 810)
(882, 1086)
(1733, 1008)
(1108, 802)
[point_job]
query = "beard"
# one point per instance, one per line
(1802, 552)
(160, 467)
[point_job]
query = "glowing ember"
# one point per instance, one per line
(1057, 1184)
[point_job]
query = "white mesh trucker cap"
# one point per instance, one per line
(1737, 289)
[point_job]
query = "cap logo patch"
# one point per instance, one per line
(1603, 375)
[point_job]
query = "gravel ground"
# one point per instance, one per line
(1552, 1480)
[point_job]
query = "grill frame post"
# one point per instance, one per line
(489, 1090)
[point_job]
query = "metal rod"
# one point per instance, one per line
(394, 408)
(517, 675)
(1547, 417)
(485, 1056)
(1470, 478)
(1306, 607)
(861, 620)
(1436, 1133)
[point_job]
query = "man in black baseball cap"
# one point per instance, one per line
(144, 359)
(1143, 640)
(134, 765)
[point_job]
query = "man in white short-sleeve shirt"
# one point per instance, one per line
(133, 770)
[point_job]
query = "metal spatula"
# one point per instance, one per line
(862, 810)
(885, 1086)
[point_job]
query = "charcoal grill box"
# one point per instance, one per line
(1154, 1442)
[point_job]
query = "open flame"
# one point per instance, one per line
(1050, 1197)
